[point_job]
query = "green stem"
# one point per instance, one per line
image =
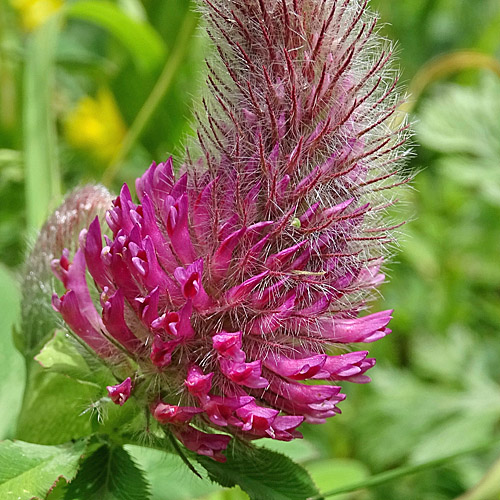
(180, 452)
(391, 475)
(181, 47)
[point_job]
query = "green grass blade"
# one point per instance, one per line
(43, 183)
(155, 98)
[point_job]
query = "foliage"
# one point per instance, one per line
(436, 388)
(261, 473)
(30, 470)
(108, 474)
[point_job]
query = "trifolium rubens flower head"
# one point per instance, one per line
(237, 288)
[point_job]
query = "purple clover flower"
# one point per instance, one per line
(235, 284)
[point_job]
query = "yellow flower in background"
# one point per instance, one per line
(96, 125)
(35, 12)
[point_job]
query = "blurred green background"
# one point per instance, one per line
(95, 90)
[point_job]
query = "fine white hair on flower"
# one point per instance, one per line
(232, 284)
(316, 65)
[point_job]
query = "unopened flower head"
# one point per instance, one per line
(234, 284)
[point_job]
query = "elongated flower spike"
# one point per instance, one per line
(235, 283)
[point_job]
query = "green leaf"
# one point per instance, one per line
(11, 362)
(463, 120)
(481, 175)
(68, 395)
(57, 492)
(53, 408)
(299, 450)
(67, 391)
(335, 473)
(144, 44)
(30, 470)
(134, 9)
(165, 469)
(61, 354)
(40, 137)
(74, 55)
(488, 41)
(108, 474)
(261, 473)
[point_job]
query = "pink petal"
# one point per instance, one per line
(221, 260)
(210, 445)
(228, 345)
(170, 414)
(296, 369)
(190, 280)
(70, 310)
(221, 409)
(113, 317)
(197, 383)
(120, 393)
(246, 374)
(242, 291)
(175, 215)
